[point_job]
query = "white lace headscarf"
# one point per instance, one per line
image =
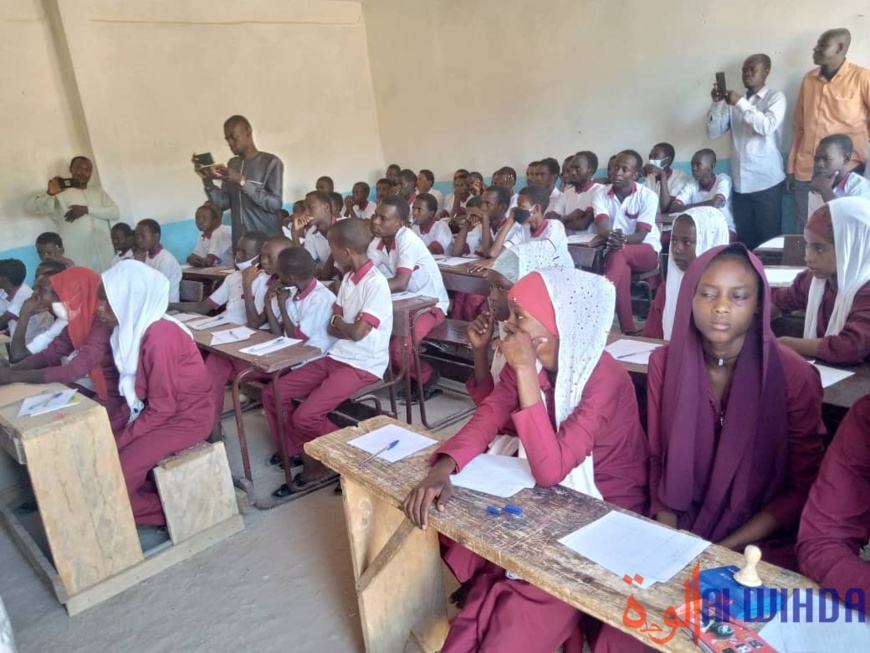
(850, 220)
(711, 230)
(139, 296)
(583, 305)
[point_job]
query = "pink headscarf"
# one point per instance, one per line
(716, 484)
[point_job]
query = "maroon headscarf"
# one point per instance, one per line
(717, 486)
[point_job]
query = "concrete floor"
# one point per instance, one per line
(284, 584)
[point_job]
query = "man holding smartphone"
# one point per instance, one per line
(83, 214)
(252, 183)
(755, 123)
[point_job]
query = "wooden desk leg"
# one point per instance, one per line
(398, 571)
(248, 481)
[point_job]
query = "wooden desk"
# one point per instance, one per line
(459, 278)
(587, 257)
(273, 365)
(210, 278)
(405, 315)
(769, 255)
(789, 269)
(398, 569)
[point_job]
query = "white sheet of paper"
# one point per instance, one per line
(209, 322)
(629, 545)
(187, 317)
(831, 375)
(773, 243)
(782, 276)
(270, 346)
(407, 294)
(456, 260)
(580, 239)
(500, 476)
(409, 442)
(799, 635)
(47, 402)
(631, 351)
(236, 334)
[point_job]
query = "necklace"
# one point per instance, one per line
(720, 362)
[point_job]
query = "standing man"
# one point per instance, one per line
(83, 214)
(755, 122)
(252, 183)
(834, 99)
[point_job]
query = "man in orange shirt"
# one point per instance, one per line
(834, 99)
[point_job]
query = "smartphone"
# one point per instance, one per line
(70, 182)
(720, 82)
(204, 160)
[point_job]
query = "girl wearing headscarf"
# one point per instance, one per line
(162, 378)
(576, 416)
(694, 232)
(82, 349)
(835, 289)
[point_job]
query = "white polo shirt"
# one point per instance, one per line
(310, 312)
(554, 200)
(693, 193)
(851, 185)
(36, 325)
(448, 202)
(551, 230)
(41, 341)
(365, 295)
(574, 199)
(164, 262)
(367, 212)
(220, 244)
(122, 256)
(409, 254)
(259, 288)
(316, 244)
(439, 197)
(437, 233)
(676, 182)
(230, 294)
(640, 207)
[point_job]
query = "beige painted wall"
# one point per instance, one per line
(484, 83)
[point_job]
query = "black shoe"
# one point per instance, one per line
(275, 461)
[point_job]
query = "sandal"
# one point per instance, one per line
(301, 485)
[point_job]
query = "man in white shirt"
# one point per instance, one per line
(357, 204)
(706, 189)
(507, 177)
(575, 204)
(661, 158)
(311, 230)
(526, 223)
(425, 181)
(123, 240)
(82, 212)
(151, 252)
(755, 122)
(546, 173)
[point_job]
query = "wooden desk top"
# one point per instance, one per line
(210, 274)
(529, 548)
(405, 309)
(274, 362)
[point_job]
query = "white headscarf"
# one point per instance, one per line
(850, 220)
(711, 230)
(139, 296)
(515, 263)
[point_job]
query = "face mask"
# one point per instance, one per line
(244, 265)
(658, 163)
(59, 311)
(521, 215)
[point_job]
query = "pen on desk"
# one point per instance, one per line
(56, 395)
(265, 345)
(378, 453)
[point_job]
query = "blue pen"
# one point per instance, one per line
(56, 395)
(266, 345)
(512, 509)
(378, 453)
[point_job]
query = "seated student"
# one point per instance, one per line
(161, 377)
(611, 172)
(661, 158)
(324, 185)
(466, 306)
(336, 201)
(526, 223)
(230, 294)
(32, 309)
(831, 177)
(435, 233)
(304, 305)
(511, 266)
(546, 174)
(571, 404)
(311, 229)
(625, 216)
(706, 189)
(735, 427)
(454, 203)
(575, 204)
(362, 322)
(693, 233)
(14, 292)
(485, 224)
(408, 265)
(123, 240)
(153, 254)
(408, 186)
(507, 177)
(382, 189)
(425, 181)
(835, 524)
(49, 247)
(83, 347)
(215, 244)
(357, 205)
(394, 170)
(476, 184)
(835, 290)
(287, 219)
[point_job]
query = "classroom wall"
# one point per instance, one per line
(493, 82)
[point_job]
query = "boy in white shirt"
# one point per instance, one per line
(361, 323)
(123, 241)
(661, 158)
(526, 223)
(454, 203)
(311, 228)
(706, 189)
(546, 173)
(831, 176)
(425, 181)
(151, 252)
(324, 184)
(435, 233)
(576, 202)
(507, 177)
(625, 216)
(13, 293)
(215, 244)
(357, 204)
(408, 265)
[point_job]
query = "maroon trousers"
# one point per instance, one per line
(401, 346)
(618, 268)
(222, 370)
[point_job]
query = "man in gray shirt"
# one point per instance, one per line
(252, 183)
